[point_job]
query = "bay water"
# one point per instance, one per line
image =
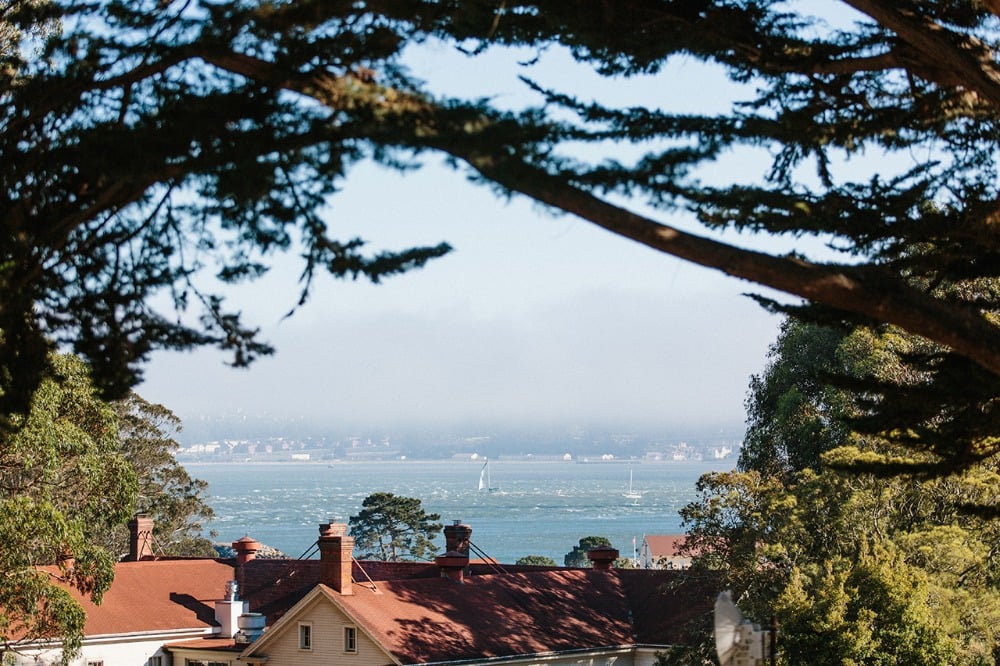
(538, 507)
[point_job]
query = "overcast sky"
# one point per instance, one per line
(534, 318)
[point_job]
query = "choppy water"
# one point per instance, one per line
(544, 507)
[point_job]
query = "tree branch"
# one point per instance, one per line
(857, 290)
(939, 55)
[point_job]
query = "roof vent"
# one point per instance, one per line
(252, 626)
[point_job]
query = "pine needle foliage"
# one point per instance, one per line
(166, 149)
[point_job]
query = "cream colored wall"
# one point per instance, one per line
(328, 624)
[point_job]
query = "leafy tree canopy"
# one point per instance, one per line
(885, 400)
(177, 503)
(63, 483)
(146, 144)
(392, 528)
(72, 472)
(859, 568)
(537, 561)
(578, 556)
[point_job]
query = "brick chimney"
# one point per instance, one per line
(602, 557)
(336, 550)
(246, 549)
(457, 537)
(453, 565)
(140, 544)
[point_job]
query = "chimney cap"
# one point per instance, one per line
(247, 544)
(332, 529)
(601, 557)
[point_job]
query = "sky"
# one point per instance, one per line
(533, 319)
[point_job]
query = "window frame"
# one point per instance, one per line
(351, 639)
(305, 636)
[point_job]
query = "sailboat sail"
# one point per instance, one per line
(483, 484)
(631, 493)
(486, 481)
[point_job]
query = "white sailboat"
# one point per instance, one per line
(631, 493)
(485, 481)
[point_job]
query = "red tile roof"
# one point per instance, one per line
(158, 595)
(415, 613)
(432, 620)
(664, 545)
(274, 586)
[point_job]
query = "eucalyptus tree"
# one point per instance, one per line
(167, 493)
(859, 562)
(73, 470)
(63, 484)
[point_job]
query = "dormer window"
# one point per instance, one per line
(350, 639)
(305, 636)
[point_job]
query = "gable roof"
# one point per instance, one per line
(413, 613)
(438, 620)
(300, 611)
(664, 545)
(157, 595)
(272, 587)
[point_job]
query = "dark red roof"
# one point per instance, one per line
(414, 612)
(499, 615)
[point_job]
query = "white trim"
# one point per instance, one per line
(132, 636)
(305, 630)
(318, 594)
(353, 649)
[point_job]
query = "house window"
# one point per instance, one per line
(305, 637)
(350, 639)
(96, 662)
(155, 661)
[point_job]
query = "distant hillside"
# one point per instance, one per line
(271, 444)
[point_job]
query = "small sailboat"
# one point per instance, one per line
(631, 493)
(485, 481)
